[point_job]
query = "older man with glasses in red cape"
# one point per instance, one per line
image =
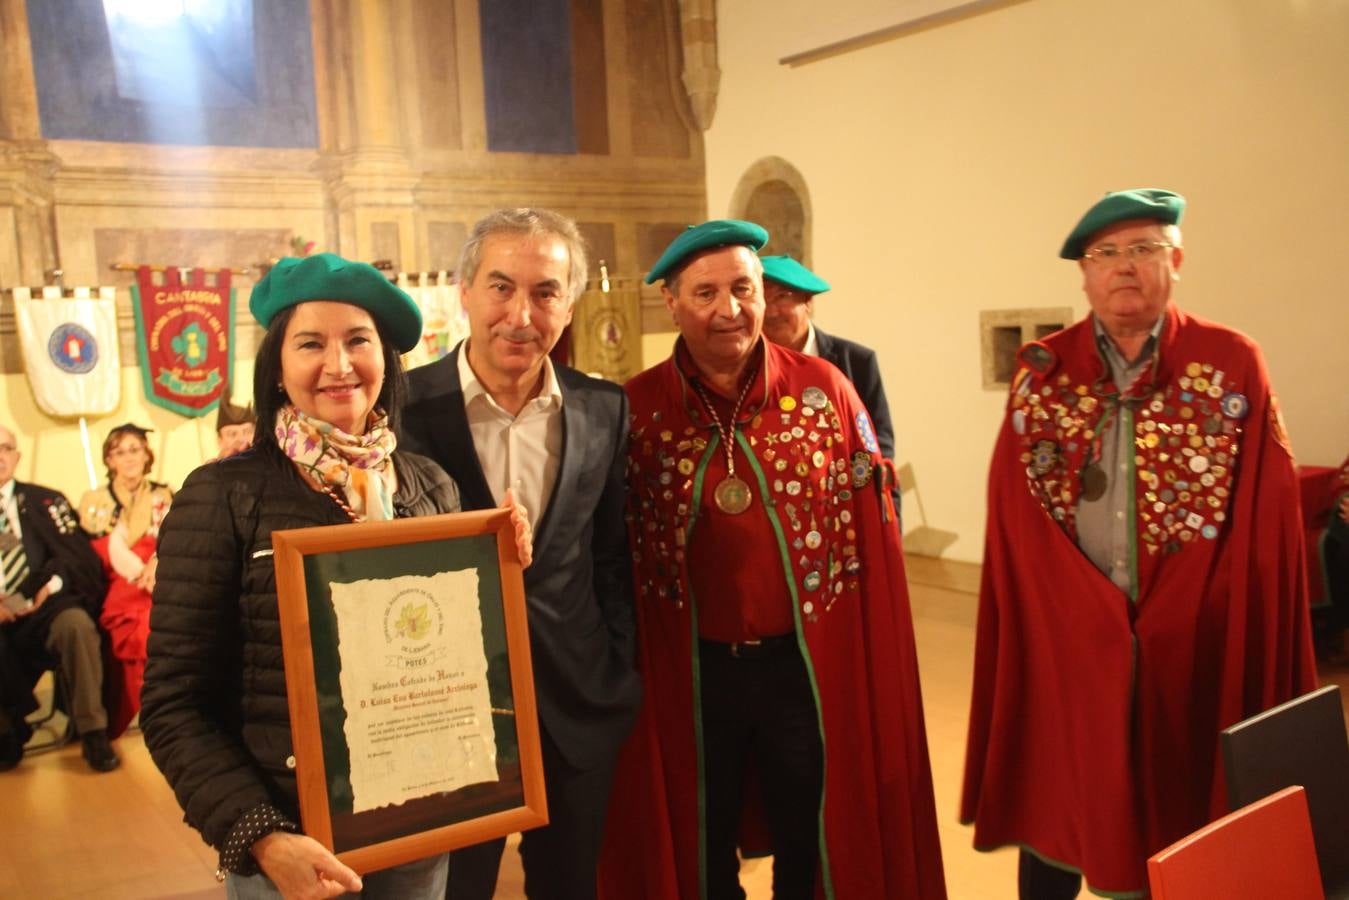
(1143, 581)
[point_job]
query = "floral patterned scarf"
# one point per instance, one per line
(354, 468)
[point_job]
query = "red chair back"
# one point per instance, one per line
(1261, 851)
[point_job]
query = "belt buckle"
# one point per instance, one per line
(736, 645)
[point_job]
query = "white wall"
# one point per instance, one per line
(946, 166)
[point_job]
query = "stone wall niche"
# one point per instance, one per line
(773, 193)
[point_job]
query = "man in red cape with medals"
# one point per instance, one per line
(775, 639)
(1143, 585)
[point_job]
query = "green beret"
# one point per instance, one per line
(788, 271)
(327, 276)
(1120, 206)
(717, 233)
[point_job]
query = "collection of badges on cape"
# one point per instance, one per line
(1186, 439)
(799, 446)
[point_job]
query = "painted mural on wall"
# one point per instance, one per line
(544, 76)
(230, 73)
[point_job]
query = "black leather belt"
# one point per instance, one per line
(761, 648)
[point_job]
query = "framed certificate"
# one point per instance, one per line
(409, 683)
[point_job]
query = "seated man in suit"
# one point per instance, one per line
(789, 292)
(497, 414)
(52, 586)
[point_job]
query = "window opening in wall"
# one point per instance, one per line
(189, 53)
(1006, 341)
(1002, 332)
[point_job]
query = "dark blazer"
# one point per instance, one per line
(859, 364)
(579, 587)
(55, 545)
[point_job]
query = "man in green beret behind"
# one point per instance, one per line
(776, 643)
(1143, 584)
(789, 296)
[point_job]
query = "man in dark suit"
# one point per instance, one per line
(498, 415)
(51, 590)
(789, 291)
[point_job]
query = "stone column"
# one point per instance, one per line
(27, 167)
(701, 77)
(367, 175)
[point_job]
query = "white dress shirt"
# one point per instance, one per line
(522, 452)
(11, 507)
(812, 347)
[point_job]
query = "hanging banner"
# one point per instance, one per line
(70, 350)
(444, 322)
(184, 338)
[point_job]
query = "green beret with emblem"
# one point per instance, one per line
(717, 233)
(785, 270)
(1120, 206)
(327, 276)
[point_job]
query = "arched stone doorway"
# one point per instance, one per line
(773, 193)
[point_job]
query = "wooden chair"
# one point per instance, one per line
(1260, 852)
(1301, 742)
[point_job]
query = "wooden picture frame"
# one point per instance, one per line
(310, 564)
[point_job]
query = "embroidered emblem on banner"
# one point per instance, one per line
(72, 349)
(184, 338)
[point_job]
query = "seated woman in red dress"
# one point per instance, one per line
(123, 520)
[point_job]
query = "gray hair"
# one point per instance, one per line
(534, 223)
(1171, 233)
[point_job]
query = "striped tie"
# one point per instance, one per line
(13, 559)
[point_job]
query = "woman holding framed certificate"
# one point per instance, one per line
(328, 389)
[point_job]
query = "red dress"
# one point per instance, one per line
(1094, 723)
(813, 452)
(125, 617)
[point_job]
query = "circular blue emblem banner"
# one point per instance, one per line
(72, 349)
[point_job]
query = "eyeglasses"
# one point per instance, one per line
(1140, 252)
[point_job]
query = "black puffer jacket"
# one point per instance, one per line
(214, 708)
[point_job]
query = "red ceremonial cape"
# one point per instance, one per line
(1094, 723)
(1323, 488)
(854, 627)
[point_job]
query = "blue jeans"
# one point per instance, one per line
(422, 879)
